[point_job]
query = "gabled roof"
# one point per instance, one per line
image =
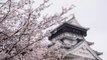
(69, 25)
(83, 44)
(74, 22)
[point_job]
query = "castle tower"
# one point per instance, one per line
(71, 34)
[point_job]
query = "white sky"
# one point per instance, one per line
(89, 13)
(92, 14)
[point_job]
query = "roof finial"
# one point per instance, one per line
(73, 21)
(73, 17)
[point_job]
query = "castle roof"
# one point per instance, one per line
(83, 49)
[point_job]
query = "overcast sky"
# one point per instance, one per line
(93, 14)
(89, 13)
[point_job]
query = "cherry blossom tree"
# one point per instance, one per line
(22, 33)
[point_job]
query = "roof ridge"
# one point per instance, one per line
(73, 21)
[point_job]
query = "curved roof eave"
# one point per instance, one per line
(80, 45)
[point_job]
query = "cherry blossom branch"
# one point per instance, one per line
(5, 16)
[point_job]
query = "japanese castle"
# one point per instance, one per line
(72, 36)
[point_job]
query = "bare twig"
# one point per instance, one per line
(5, 16)
(4, 4)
